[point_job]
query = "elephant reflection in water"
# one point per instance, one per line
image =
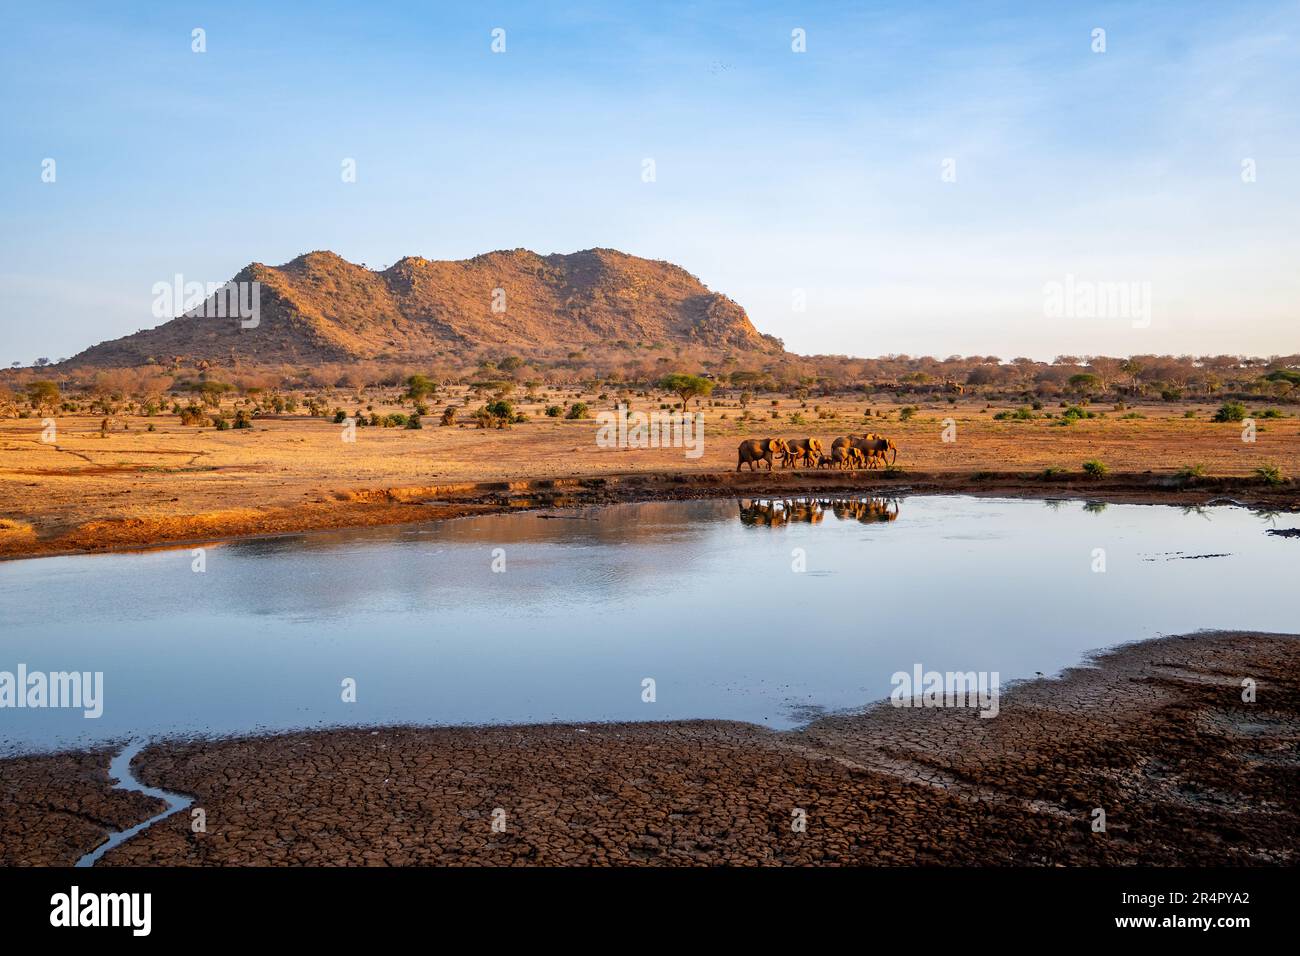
(778, 512)
(866, 510)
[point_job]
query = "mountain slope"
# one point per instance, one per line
(320, 307)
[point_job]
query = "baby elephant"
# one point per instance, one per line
(754, 450)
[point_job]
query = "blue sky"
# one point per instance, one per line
(775, 171)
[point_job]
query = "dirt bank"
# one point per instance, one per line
(1157, 735)
(369, 507)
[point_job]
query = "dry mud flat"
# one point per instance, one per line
(1157, 735)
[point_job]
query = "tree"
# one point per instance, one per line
(419, 386)
(211, 392)
(42, 394)
(685, 386)
(1105, 368)
(1085, 382)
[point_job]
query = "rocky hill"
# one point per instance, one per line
(322, 308)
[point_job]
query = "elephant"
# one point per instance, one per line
(807, 450)
(759, 449)
(840, 454)
(874, 448)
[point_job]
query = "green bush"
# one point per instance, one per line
(1230, 412)
(578, 410)
(1022, 414)
(1094, 468)
(413, 422)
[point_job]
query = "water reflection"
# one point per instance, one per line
(778, 512)
(589, 602)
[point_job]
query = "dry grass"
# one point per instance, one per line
(179, 474)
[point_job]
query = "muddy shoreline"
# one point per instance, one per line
(1154, 733)
(386, 506)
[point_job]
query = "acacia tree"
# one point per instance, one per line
(42, 394)
(686, 387)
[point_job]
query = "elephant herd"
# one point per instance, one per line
(851, 451)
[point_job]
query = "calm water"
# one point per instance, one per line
(700, 596)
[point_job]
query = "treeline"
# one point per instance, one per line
(1165, 377)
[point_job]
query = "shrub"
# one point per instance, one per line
(1230, 412)
(1190, 413)
(1188, 472)
(1270, 474)
(1269, 413)
(340, 416)
(554, 411)
(448, 416)
(906, 412)
(243, 419)
(1022, 414)
(413, 422)
(193, 415)
(578, 410)
(220, 423)
(1094, 468)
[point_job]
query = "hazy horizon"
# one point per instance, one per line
(777, 173)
